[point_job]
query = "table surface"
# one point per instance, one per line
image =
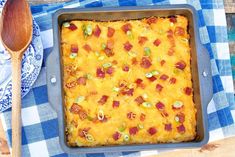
(219, 148)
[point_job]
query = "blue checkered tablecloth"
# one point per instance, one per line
(39, 120)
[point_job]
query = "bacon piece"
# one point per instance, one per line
(116, 104)
(179, 31)
(168, 127)
(181, 117)
(138, 81)
(111, 32)
(145, 62)
(131, 115)
(83, 132)
(188, 90)
(100, 73)
(142, 40)
(139, 100)
(116, 136)
(125, 68)
(157, 42)
(133, 130)
(164, 77)
(142, 117)
(97, 31)
(71, 84)
(152, 131)
(134, 61)
(87, 47)
(181, 129)
(72, 27)
(74, 48)
(164, 113)
(180, 65)
(162, 62)
(172, 80)
(108, 52)
(128, 92)
(127, 46)
(160, 106)
(110, 70)
(81, 81)
(126, 27)
(82, 115)
(152, 79)
(159, 87)
(169, 34)
(151, 20)
(171, 51)
(110, 44)
(75, 108)
(173, 19)
(103, 99)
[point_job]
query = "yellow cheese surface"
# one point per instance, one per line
(92, 131)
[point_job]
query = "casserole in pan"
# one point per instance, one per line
(200, 70)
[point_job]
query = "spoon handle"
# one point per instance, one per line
(16, 106)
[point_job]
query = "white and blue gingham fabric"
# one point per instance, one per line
(39, 120)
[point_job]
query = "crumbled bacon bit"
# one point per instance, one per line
(181, 129)
(188, 90)
(170, 33)
(97, 31)
(110, 70)
(152, 79)
(100, 73)
(180, 65)
(103, 99)
(164, 77)
(142, 117)
(127, 46)
(152, 131)
(125, 68)
(71, 84)
(116, 104)
(151, 20)
(116, 136)
(162, 62)
(181, 117)
(81, 81)
(157, 42)
(131, 115)
(128, 92)
(126, 27)
(172, 80)
(72, 27)
(145, 62)
(160, 105)
(74, 48)
(142, 40)
(164, 113)
(179, 31)
(134, 61)
(133, 130)
(75, 108)
(111, 32)
(110, 44)
(168, 127)
(87, 47)
(83, 132)
(159, 87)
(138, 81)
(82, 115)
(171, 51)
(105, 119)
(139, 100)
(173, 19)
(108, 52)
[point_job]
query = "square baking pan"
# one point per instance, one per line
(200, 67)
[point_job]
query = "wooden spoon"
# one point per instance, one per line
(16, 34)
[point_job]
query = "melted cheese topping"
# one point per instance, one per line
(112, 126)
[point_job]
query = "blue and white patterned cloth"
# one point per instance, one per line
(40, 124)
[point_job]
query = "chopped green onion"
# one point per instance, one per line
(89, 76)
(101, 58)
(107, 65)
(176, 71)
(147, 51)
(129, 34)
(132, 54)
(145, 96)
(148, 75)
(126, 137)
(184, 40)
(147, 104)
(97, 53)
(90, 118)
(78, 143)
(154, 72)
(89, 137)
(79, 99)
(73, 55)
(177, 119)
(178, 104)
(122, 127)
(87, 30)
(103, 46)
(116, 89)
(100, 115)
(140, 126)
(66, 24)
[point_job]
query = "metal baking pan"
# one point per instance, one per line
(200, 66)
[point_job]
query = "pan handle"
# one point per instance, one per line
(205, 75)
(53, 80)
